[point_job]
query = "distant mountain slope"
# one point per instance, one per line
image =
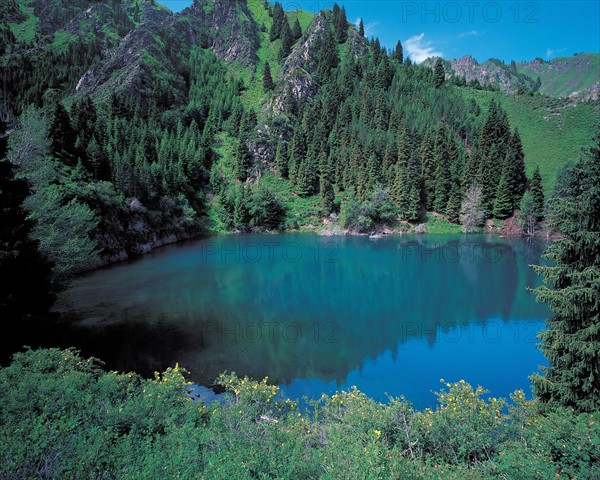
(553, 131)
(578, 75)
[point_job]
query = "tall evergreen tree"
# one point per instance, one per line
(267, 78)
(25, 283)
(399, 52)
(296, 29)
(503, 205)
(443, 177)
(281, 159)
(62, 136)
(537, 192)
(326, 194)
(278, 19)
(242, 160)
(361, 28)
(571, 343)
(439, 76)
(287, 39)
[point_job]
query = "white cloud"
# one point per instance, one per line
(470, 33)
(370, 28)
(419, 49)
(551, 53)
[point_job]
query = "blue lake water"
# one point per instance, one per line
(317, 314)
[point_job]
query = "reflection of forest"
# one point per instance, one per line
(310, 318)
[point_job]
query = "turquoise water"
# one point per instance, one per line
(316, 314)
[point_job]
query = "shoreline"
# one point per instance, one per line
(378, 232)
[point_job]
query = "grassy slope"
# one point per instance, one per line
(552, 131)
(25, 31)
(583, 72)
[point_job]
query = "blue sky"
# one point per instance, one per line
(508, 30)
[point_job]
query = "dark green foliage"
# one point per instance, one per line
(439, 76)
(503, 206)
(267, 78)
(454, 203)
(278, 20)
(537, 193)
(267, 211)
(326, 55)
(287, 40)
(571, 343)
(281, 160)
(399, 52)
(25, 282)
(62, 136)
(296, 29)
(326, 193)
(442, 175)
(340, 23)
(361, 28)
(242, 160)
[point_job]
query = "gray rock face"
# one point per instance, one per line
(235, 35)
(142, 61)
(297, 72)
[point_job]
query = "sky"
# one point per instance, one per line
(507, 30)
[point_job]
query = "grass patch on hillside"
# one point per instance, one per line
(25, 30)
(582, 73)
(439, 224)
(552, 130)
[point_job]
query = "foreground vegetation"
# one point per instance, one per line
(65, 417)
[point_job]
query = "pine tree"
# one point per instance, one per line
(361, 28)
(241, 216)
(443, 177)
(278, 19)
(242, 160)
(281, 160)
(537, 193)
(340, 23)
(399, 52)
(287, 40)
(62, 136)
(439, 76)
(25, 285)
(454, 203)
(503, 206)
(515, 163)
(296, 29)
(267, 78)
(571, 343)
(326, 194)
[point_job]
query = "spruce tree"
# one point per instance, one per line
(515, 163)
(503, 205)
(571, 342)
(278, 19)
(361, 28)
(287, 39)
(281, 159)
(267, 78)
(454, 203)
(537, 192)
(296, 29)
(439, 76)
(62, 136)
(25, 282)
(399, 52)
(326, 194)
(242, 160)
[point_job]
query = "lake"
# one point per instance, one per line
(316, 314)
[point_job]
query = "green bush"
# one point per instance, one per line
(65, 417)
